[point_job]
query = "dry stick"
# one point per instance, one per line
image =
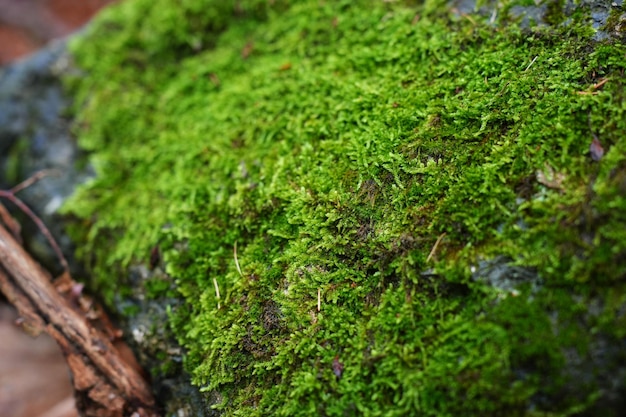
(29, 320)
(600, 83)
(86, 380)
(434, 249)
(594, 87)
(10, 223)
(35, 283)
(10, 195)
(33, 179)
(531, 63)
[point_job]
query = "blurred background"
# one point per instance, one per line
(27, 25)
(34, 381)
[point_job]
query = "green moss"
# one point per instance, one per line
(333, 144)
(12, 167)
(554, 12)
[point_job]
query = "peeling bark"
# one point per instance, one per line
(106, 383)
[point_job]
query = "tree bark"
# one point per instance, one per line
(106, 385)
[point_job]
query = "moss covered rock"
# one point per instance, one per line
(365, 207)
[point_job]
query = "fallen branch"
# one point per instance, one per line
(105, 384)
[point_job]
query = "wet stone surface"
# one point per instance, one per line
(600, 364)
(605, 16)
(504, 277)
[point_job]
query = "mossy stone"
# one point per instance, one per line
(324, 181)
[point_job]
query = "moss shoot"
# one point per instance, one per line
(326, 181)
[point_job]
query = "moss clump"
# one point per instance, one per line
(334, 145)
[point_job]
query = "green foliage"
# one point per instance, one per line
(333, 143)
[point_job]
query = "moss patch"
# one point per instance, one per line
(334, 145)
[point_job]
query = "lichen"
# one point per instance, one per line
(336, 170)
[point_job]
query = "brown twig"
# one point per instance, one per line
(594, 87)
(13, 226)
(10, 195)
(106, 384)
(434, 249)
(33, 179)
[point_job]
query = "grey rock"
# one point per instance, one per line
(34, 136)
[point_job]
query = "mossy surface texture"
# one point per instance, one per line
(369, 156)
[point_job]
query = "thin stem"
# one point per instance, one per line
(33, 179)
(434, 249)
(10, 195)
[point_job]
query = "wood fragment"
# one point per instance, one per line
(105, 384)
(13, 226)
(29, 321)
(550, 178)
